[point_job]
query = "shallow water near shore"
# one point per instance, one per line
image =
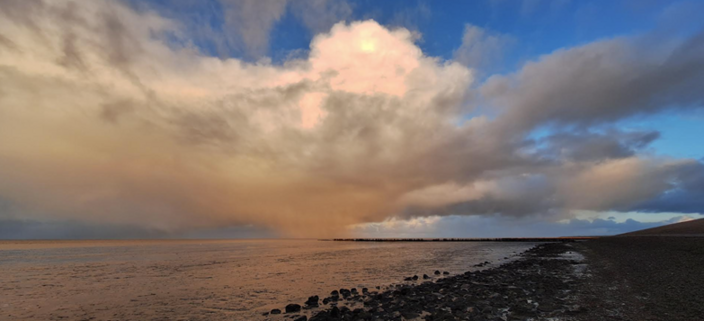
(213, 280)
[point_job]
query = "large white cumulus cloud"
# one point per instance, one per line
(106, 118)
(109, 115)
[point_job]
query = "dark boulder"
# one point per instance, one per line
(275, 311)
(345, 293)
(313, 301)
(293, 308)
(335, 312)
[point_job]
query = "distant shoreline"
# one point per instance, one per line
(500, 239)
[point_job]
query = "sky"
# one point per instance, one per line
(340, 118)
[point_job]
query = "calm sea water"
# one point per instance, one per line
(208, 280)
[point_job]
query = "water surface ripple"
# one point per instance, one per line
(208, 280)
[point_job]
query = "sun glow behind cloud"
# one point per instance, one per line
(134, 131)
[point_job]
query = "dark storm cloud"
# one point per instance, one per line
(687, 197)
(48, 230)
(18, 229)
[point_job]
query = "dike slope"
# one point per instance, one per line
(690, 228)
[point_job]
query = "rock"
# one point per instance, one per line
(509, 291)
(301, 318)
(275, 311)
(326, 301)
(334, 293)
(291, 308)
(410, 278)
(344, 310)
(313, 301)
(345, 293)
(335, 312)
(445, 273)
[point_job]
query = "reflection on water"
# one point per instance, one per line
(213, 280)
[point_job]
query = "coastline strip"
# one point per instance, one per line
(500, 239)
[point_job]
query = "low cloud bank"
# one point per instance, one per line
(490, 226)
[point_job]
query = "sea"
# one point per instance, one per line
(212, 279)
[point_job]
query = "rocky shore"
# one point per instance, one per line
(538, 286)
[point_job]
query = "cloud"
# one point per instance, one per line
(167, 138)
(496, 226)
(481, 48)
(242, 28)
(587, 145)
(111, 117)
(600, 82)
(319, 15)
(411, 17)
(251, 22)
(686, 198)
(38, 230)
(530, 7)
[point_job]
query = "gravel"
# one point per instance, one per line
(644, 278)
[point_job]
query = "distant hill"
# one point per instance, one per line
(693, 228)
